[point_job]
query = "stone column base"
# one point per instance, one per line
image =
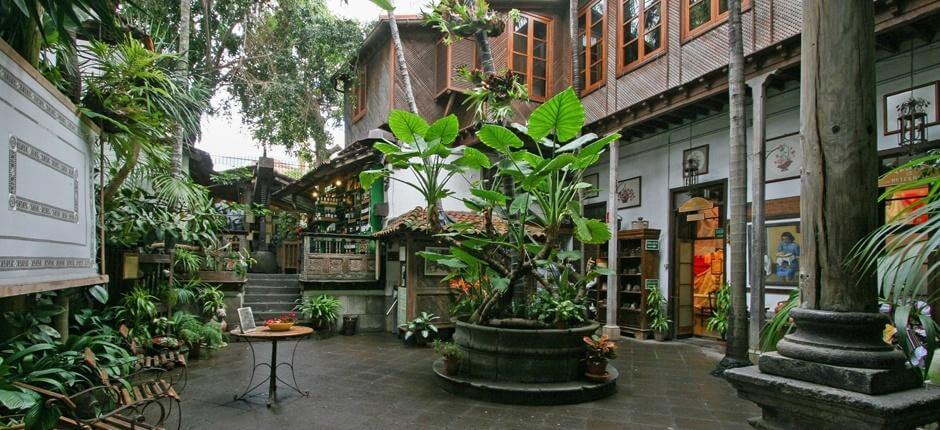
(612, 331)
(793, 404)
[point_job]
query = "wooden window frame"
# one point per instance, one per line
(549, 46)
(590, 86)
(642, 57)
(715, 19)
(360, 93)
(442, 88)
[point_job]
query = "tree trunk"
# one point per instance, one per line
(402, 65)
(176, 160)
(486, 53)
(840, 167)
(736, 348)
(575, 52)
(115, 184)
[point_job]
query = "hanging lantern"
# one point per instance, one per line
(912, 121)
(691, 171)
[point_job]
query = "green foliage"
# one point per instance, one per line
(718, 321)
(491, 95)
(187, 261)
(211, 299)
(446, 349)
(323, 308)
(34, 326)
(901, 255)
(458, 19)
(138, 218)
(28, 25)
(422, 326)
(139, 306)
(780, 325)
(655, 309)
(232, 176)
(600, 348)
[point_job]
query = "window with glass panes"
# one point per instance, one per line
(700, 15)
(592, 37)
(359, 94)
(530, 53)
(642, 32)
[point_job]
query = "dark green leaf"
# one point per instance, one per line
(562, 115)
(499, 138)
(407, 126)
(445, 130)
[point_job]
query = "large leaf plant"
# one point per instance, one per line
(534, 194)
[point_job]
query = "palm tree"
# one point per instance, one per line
(575, 52)
(737, 346)
(176, 160)
(387, 6)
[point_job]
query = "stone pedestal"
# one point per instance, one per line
(792, 404)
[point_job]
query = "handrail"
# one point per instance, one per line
(340, 235)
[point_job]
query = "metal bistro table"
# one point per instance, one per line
(263, 334)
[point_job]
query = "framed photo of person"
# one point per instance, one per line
(782, 263)
(433, 268)
(700, 155)
(783, 158)
(629, 193)
(594, 180)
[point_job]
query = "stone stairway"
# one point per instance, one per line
(271, 295)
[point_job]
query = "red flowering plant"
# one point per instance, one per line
(469, 289)
(600, 348)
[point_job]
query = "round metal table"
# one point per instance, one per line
(263, 334)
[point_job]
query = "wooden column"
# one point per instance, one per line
(758, 86)
(613, 304)
(840, 161)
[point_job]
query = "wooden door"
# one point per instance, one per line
(685, 278)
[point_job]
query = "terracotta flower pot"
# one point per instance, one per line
(596, 367)
(659, 336)
(451, 364)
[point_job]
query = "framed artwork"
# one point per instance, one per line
(700, 155)
(246, 320)
(629, 193)
(782, 263)
(592, 192)
(783, 158)
(928, 92)
(432, 268)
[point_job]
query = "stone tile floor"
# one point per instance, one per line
(371, 381)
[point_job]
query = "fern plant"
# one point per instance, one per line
(718, 321)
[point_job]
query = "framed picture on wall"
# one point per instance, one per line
(783, 158)
(433, 268)
(629, 193)
(782, 264)
(592, 192)
(700, 155)
(929, 92)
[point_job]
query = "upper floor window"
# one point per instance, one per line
(642, 32)
(592, 36)
(530, 52)
(698, 16)
(358, 95)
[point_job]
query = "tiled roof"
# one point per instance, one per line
(415, 220)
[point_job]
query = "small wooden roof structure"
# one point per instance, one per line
(416, 221)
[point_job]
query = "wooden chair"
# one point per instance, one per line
(125, 405)
(167, 360)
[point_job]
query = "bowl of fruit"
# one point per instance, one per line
(281, 323)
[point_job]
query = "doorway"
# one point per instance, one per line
(697, 268)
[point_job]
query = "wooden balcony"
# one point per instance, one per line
(339, 257)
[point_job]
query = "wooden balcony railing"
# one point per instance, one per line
(339, 257)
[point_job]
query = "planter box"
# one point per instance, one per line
(223, 277)
(518, 355)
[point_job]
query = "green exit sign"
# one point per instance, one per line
(652, 283)
(652, 245)
(719, 232)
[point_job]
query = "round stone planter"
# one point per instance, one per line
(533, 367)
(519, 355)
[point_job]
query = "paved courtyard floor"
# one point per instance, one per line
(371, 381)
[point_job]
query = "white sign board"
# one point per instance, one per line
(47, 223)
(246, 320)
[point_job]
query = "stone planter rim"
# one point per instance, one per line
(590, 328)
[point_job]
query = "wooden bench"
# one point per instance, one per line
(168, 360)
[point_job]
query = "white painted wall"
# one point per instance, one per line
(402, 198)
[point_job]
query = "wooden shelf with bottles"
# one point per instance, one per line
(638, 263)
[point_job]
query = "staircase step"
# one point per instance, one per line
(271, 307)
(274, 283)
(271, 298)
(251, 289)
(274, 276)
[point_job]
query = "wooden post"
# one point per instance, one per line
(758, 86)
(611, 328)
(840, 160)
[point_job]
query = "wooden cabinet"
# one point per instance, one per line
(638, 267)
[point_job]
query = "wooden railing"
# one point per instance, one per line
(339, 257)
(288, 256)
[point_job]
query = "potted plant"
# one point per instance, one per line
(451, 354)
(655, 302)
(599, 350)
(718, 321)
(321, 310)
(421, 328)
